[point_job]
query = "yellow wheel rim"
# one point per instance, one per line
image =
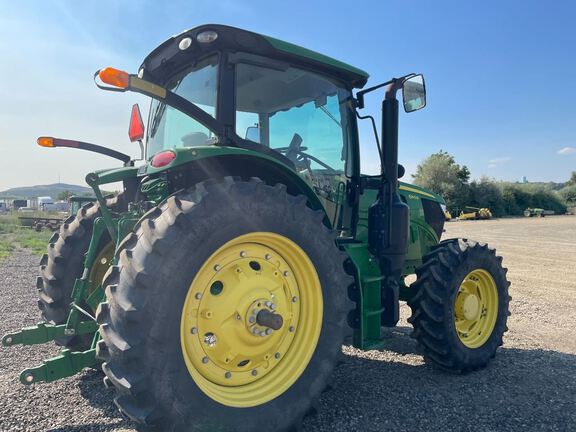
(476, 308)
(232, 357)
(101, 265)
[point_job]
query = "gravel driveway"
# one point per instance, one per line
(530, 386)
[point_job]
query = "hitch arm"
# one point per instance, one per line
(43, 333)
(66, 364)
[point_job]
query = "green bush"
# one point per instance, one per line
(441, 174)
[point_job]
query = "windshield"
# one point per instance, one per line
(168, 127)
(295, 112)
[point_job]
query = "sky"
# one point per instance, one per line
(500, 76)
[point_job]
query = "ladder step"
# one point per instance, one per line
(370, 279)
(372, 312)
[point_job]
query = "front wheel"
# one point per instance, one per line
(460, 305)
(227, 311)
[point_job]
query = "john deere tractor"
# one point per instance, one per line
(216, 290)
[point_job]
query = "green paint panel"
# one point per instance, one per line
(111, 175)
(368, 280)
(296, 50)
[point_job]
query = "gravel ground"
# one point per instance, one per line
(530, 386)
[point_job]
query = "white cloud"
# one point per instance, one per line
(493, 163)
(567, 151)
(498, 161)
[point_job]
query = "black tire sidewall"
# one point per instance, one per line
(478, 258)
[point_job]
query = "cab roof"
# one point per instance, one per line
(168, 58)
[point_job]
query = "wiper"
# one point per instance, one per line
(156, 119)
(329, 114)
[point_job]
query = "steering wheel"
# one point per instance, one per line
(294, 149)
(296, 153)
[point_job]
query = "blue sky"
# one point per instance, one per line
(500, 75)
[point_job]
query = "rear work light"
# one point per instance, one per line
(163, 158)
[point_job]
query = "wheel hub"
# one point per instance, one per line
(476, 308)
(262, 319)
(468, 306)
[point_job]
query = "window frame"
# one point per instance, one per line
(220, 102)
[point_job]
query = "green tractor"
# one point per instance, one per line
(217, 289)
(534, 212)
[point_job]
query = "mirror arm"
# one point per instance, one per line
(390, 92)
(361, 93)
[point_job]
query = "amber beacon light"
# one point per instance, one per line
(114, 77)
(45, 141)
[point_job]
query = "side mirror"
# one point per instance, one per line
(253, 134)
(414, 93)
(136, 128)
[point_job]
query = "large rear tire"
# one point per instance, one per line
(460, 305)
(64, 263)
(182, 338)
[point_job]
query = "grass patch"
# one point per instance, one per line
(12, 237)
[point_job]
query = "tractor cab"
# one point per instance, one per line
(289, 103)
(255, 92)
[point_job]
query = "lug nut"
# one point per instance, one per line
(286, 274)
(228, 375)
(294, 299)
(291, 329)
(269, 331)
(277, 355)
(242, 254)
(217, 267)
(193, 330)
(252, 319)
(205, 360)
(198, 296)
(267, 257)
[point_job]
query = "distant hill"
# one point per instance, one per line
(51, 190)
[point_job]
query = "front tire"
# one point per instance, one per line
(460, 305)
(181, 339)
(64, 263)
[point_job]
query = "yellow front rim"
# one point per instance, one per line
(230, 355)
(476, 308)
(101, 265)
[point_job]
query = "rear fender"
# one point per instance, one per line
(193, 165)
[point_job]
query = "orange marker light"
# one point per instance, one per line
(45, 141)
(114, 77)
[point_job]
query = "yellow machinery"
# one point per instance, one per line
(478, 213)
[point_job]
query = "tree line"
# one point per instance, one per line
(441, 174)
